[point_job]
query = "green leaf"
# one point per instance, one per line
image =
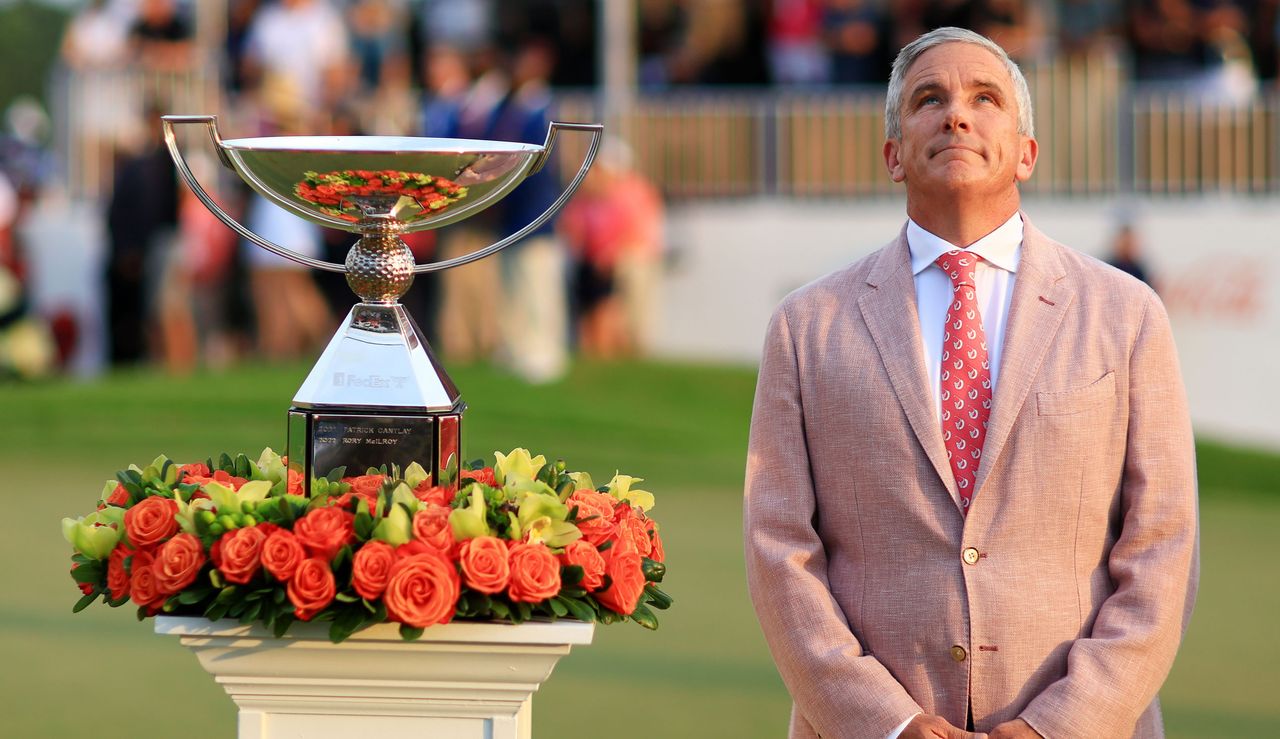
(559, 607)
(84, 602)
(524, 610)
(336, 474)
(571, 575)
(657, 598)
(88, 573)
(283, 623)
(347, 598)
(216, 610)
(653, 571)
(500, 608)
(250, 615)
(242, 467)
(645, 617)
(195, 595)
(410, 633)
(225, 464)
(579, 609)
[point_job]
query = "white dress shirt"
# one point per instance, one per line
(1000, 251)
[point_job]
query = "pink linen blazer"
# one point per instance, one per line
(1084, 521)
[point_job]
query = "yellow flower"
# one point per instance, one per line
(620, 488)
(517, 465)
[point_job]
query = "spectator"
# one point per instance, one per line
(1085, 25)
(535, 316)
(797, 55)
(471, 295)
(95, 47)
(855, 37)
(160, 38)
(614, 230)
(376, 38)
(299, 46)
(1126, 255)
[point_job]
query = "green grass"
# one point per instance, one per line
(704, 673)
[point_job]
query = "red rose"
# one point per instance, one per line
(484, 476)
(535, 573)
(324, 531)
(422, 590)
(117, 578)
(484, 564)
(367, 487)
(431, 526)
(151, 521)
(622, 565)
(142, 581)
(177, 563)
(119, 496)
(311, 588)
(434, 494)
(595, 515)
(586, 556)
(238, 553)
(281, 554)
(371, 568)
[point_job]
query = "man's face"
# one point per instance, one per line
(959, 126)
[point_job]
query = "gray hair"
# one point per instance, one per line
(946, 35)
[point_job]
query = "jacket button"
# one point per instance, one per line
(970, 556)
(958, 654)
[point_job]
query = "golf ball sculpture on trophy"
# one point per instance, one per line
(378, 395)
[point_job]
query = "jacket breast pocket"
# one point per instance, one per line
(1097, 394)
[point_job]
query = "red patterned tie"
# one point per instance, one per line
(965, 380)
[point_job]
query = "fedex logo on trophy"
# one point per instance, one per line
(346, 379)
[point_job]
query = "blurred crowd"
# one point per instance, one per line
(179, 289)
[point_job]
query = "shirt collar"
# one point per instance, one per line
(1000, 248)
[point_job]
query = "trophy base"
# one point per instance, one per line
(324, 439)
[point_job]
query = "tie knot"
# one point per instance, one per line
(959, 266)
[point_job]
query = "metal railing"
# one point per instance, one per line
(1098, 134)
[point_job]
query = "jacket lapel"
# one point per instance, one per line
(1041, 295)
(890, 315)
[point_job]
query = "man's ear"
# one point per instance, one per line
(1027, 162)
(892, 148)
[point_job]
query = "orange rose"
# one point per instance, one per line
(431, 526)
(151, 521)
(294, 485)
(196, 469)
(535, 573)
(433, 494)
(633, 529)
(237, 554)
(142, 581)
(311, 588)
(484, 564)
(117, 578)
(221, 477)
(324, 531)
(119, 496)
(423, 590)
(371, 568)
(366, 486)
(177, 563)
(595, 515)
(484, 476)
(622, 565)
(282, 554)
(658, 554)
(586, 556)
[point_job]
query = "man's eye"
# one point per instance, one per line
(985, 98)
(930, 100)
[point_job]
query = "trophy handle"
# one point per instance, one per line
(597, 131)
(211, 122)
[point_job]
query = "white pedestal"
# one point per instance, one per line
(457, 681)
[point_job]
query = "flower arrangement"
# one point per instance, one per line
(520, 539)
(330, 189)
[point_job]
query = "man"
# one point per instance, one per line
(970, 501)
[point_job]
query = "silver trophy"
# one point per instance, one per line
(378, 395)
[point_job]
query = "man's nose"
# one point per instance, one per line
(956, 119)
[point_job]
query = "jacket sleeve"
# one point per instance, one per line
(840, 690)
(1114, 674)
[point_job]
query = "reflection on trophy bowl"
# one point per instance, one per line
(353, 182)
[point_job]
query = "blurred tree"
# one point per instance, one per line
(29, 36)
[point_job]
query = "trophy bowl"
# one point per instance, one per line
(378, 395)
(340, 181)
